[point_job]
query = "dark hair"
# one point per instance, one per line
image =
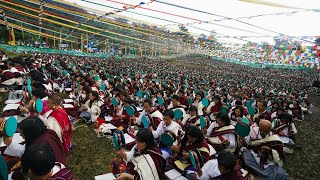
(161, 92)
(285, 116)
(238, 103)
(95, 94)
(241, 110)
(39, 158)
(37, 84)
(87, 89)
(195, 132)
(39, 93)
(193, 108)
(176, 97)
(181, 91)
(200, 94)
(169, 112)
(227, 160)
(145, 135)
(264, 116)
(192, 131)
(264, 103)
(148, 101)
(32, 127)
(124, 93)
(55, 98)
(224, 118)
(219, 99)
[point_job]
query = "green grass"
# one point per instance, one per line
(91, 156)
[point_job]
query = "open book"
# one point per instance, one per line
(173, 174)
(11, 107)
(108, 176)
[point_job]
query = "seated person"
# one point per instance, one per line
(215, 107)
(91, 110)
(221, 135)
(192, 140)
(59, 121)
(34, 131)
(198, 104)
(39, 162)
(145, 160)
(284, 127)
(262, 105)
(236, 115)
(155, 114)
(177, 106)
(297, 111)
(223, 168)
(169, 126)
(264, 153)
(306, 106)
(192, 118)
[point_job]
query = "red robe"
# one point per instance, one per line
(63, 119)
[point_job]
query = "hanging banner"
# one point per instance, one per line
(266, 3)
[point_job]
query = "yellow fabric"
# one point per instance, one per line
(180, 165)
(267, 139)
(204, 149)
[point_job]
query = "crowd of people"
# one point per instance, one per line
(205, 119)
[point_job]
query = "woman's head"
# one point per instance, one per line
(238, 111)
(37, 161)
(31, 128)
(194, 135)
(86, 89)
(94, 96)
(144, 139)
(193, 111)
(199, 96)
(216, 99)
(295, 103)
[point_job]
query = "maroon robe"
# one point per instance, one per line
(51, 138)
(191, 147)
(184, 101)
(64, 174)
(235, 174)
(297, 112)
